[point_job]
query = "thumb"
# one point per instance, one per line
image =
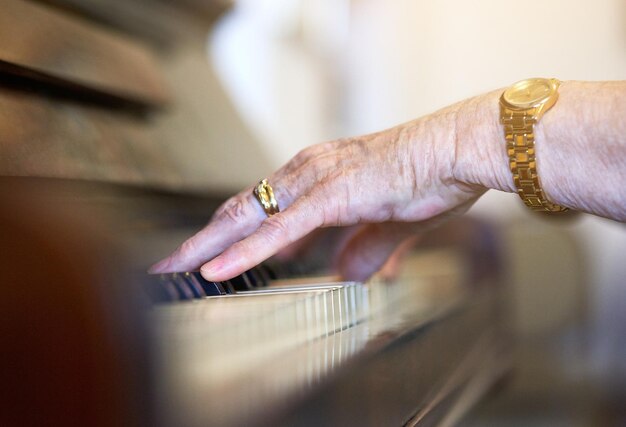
(373, 244)
(371, 247)
(390, 271)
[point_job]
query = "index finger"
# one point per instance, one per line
(277, 232)
(235, 219)
(241, 215)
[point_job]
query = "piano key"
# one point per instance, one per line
(194, 285)
(217, 288)
(339, 308)
(241, 282)
(269, 271)
(277, 314)
(160, 290)
(209, 288)
(252, 279)
(171, 289)
(257, 279)
(228, 287)
(182, 286)
(263, 273)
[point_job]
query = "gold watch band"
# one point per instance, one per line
(520, 144)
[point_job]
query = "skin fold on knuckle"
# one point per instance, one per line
(186, 250)
(309, 154)
(299, 159)
(232, 211)
(323, 165)
(286, 190)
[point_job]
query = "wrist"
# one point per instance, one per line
(481, 159)
(579, 150)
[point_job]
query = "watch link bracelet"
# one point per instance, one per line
(521, 106)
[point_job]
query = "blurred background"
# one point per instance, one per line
(300, 72)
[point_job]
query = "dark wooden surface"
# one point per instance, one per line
(70, 89)
(50, 44)
(48, 137)
(161, 23)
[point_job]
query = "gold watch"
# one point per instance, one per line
(521, 106)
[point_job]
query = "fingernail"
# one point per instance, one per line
(159, 267)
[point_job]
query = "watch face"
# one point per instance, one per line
(529, 93)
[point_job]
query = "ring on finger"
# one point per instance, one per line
(264, 193)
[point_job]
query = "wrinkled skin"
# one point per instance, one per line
(397, 183)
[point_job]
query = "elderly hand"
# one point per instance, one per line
(409, 178)
(397, 182)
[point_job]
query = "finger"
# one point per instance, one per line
(235, 219)
(276, 232)
(392, 267)
(368, 250)
(371, 247)
(242, 214)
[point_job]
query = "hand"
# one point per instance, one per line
(396, 183)
(404, 180)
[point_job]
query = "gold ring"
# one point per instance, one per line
(265, 195)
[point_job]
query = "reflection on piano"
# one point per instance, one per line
(105, 158)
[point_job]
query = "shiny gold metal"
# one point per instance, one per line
(265, 195)
(521, 106)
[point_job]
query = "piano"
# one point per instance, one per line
(116, 142)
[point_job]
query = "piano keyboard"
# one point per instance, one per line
(256, 341)
(191, 285)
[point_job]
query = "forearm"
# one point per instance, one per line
(580, 147)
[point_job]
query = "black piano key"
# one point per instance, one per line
(270, 271)
(209, 288)
(170, 289)
(183, 287)
(191, 285)
(194, 285)
(228, 287)
(214, 289)
(220, 287)
(159, 290)
(262, 272)
(241, 283)
(255, 278)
